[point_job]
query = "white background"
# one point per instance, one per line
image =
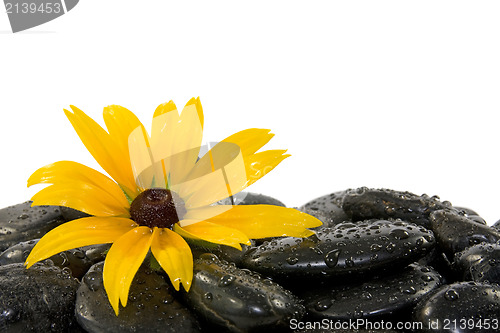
(394, 94)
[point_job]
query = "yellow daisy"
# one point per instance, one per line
(163, 194)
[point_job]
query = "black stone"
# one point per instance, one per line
(451, 308)
(250, 198)
(39, 299)
(327, 209)
(373, 299)
(439, 261)
(471, 214)
(364, 203)
(223, 252)
(97, 252)
(151, 307)
(74, 261)
(496, 225)
(237, 300)
(454, 232)
(21, 222)
(346, 249)
(480, 263)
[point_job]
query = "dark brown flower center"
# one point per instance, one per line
(157, 207)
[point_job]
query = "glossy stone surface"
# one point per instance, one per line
(22, 222)
(151, 307)
(226, 253)
(39, 299)
(237, 300)
(479, 263)
(471, 214)
(348, 248)
(450, 308)
(74, 261)
(327, 209)
(375, 298)
(97, 252)
(365, 203)
(454, 232)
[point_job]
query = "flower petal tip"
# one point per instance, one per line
(186, 286)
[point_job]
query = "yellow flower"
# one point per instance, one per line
(163, 194)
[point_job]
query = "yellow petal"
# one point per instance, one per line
(174, 256)
(244, 143)
(120, 122)
(142, 160)
(83, 197)
(250, 140)
(77, 233)
(197, 104)
(106, 151)
(176, 139)
(261, 221)
(188, 136)
(217, 175)
(164, 108)
(122, 262)
(232, 177)
(64, 172)
(260, 164)
(213, 233)
(205, 212)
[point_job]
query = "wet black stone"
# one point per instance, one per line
(250, 198)
(471, 214)
(496, 225)
(454, 305)
(327, 209)
(454, 232)
(22, 222)
(151, 307)
(97, 252)
(39, 299)
(480, 263)
(373, 299)
(364, 203)
(439, 261)
(74, 260)
(347, 249)
(237, 300)
(70, 214)
(226, 253)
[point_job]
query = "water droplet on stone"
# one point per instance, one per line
(451, 295)
(209, 296)
(226, 280)
(292, 260)
(410, 290)
(323, 305)
(91, 279)
(332, 258)
(400, 234)
(349, 262)
(366, 295)
(209, 256)
(390, 247)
